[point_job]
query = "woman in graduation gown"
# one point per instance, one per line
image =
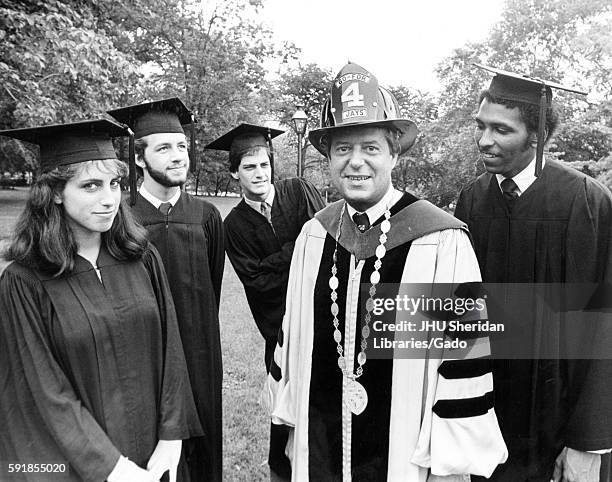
(92, 371)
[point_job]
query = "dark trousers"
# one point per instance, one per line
(194, 465)
(277, 460)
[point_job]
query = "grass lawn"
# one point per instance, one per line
(11, 204)
(245, 425)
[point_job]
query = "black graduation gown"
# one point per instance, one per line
(261, 255)
(190, 242)
(558, 231)
(90, 370)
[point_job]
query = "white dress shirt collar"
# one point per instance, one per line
(158, 202)
(256, 205)
(376, 211)
(523, 179)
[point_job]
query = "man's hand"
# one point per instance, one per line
(165, 457)
(574, 466)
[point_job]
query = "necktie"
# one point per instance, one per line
(265, 210)
(165, 208)
(510, 191)
(362, 221)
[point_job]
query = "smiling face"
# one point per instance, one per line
(91, 198)
(505, 144)
(360, 163)
(254, 174)
(165, 160)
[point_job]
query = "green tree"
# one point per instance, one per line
(306, 86)
(568, 41)
(556, 40)
(212, 55)
(588, 137)
(56, 65)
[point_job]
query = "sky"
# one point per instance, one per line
(399, 41)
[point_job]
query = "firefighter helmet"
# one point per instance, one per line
(356, 99)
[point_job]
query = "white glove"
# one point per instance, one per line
(127, 471)
(448, 478)
(165, 457)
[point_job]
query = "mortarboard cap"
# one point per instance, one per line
(63, 144)
(529, 90)
(166, 115)
(156, 117)
(245, 136)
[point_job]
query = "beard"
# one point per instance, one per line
(162, 178)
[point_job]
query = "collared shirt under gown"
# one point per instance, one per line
(190, 242)
(558, 231)
(90, 369)
(261, 253)
(436, 411)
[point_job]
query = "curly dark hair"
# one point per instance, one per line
(43, 240)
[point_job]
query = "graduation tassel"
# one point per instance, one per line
(541, 131)
(532, 91)
(132, 167)
(269, 137)
(194, 158)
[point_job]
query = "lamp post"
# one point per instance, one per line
(299, 121)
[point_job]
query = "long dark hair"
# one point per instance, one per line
(43, 240)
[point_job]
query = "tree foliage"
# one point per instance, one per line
(56, 65)
(564, 40)
(74, 59)
(553, 39)
(211, 56)
(62, 61)
(306, 86)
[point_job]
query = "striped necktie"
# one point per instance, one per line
(165, 208)
(265, 210)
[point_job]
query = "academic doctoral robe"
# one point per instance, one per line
(190, 242)
(419, 416)
(261, 254)
(558, 231)
(89, 369)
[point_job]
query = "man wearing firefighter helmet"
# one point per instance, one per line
(351, 416)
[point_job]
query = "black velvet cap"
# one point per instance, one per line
(244, 136)
(63, 144)
(160, 116)
(521, 88)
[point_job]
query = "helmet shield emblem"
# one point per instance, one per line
(353, 96)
